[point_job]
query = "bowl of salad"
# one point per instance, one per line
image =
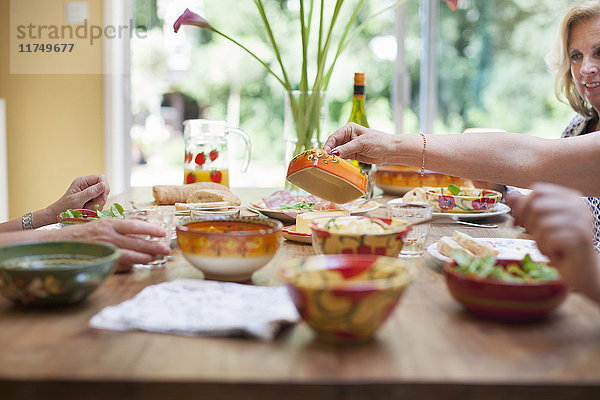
(83, 215)
(457, 199)
(506, 290)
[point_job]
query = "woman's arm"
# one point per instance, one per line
(504, 158)
(124, 234)
(84, 192)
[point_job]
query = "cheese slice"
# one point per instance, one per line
(303, 220)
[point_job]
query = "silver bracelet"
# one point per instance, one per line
(27, 221)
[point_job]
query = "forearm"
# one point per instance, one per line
(39, 218)
(505, 158)
(26, 236)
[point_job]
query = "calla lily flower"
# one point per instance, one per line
(452, 4)
(191, 18)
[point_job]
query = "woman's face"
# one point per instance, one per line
(584, 52)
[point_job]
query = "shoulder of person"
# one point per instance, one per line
(577, 126)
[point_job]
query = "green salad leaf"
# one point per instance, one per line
(455, 190)
(487, 267)
(114, 211)
(298, 205)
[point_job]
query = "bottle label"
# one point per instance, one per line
(359, 89)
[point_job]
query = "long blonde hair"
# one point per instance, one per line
(559, 60)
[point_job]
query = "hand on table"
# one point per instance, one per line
(561, 224)
(353, 141)
(123, 234)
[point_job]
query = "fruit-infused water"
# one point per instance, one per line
(204, 175)
(206, 156)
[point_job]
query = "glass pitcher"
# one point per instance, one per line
(206, 155)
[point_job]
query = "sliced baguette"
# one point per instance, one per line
(171, 194)
(446, 244)
(213, 195)
(479, 249)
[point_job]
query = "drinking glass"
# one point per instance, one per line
(414, 241)
(159, 216)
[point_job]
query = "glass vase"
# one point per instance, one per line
(305, 120)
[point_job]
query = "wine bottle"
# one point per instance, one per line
(359, 116)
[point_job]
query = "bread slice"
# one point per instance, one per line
(446, 244)
(171, 194)
(479, 249)
(416, 195)
(214, 195)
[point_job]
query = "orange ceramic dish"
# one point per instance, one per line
(397, 179)
(229, 248)
(327, 176)
(345, 297)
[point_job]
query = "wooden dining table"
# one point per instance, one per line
(429, 348)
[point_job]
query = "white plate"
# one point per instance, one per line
(508, 249)
(289, 232)
(259, 206)
(49, 227)
(500, 209)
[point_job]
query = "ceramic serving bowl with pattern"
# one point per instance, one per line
(444, 201)
(327, 176)
(346, 297)
(52, 273)
(229, 248)
(505, 301)
(327, 239)
(397, 179)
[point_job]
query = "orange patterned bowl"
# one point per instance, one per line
(351, 235)
(229, 248)
(345, 297)
(397, 179)
(327, 176)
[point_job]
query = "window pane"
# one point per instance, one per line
(492, 71)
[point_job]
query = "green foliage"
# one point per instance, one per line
(491, 68)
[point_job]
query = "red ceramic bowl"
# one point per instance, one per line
(87, 214)
(345, 298)
(504, 301)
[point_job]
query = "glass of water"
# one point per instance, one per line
(410, 213)
(160, 216)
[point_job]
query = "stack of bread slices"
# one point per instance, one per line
(462, 241)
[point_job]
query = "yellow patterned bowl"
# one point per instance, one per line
(345, 297)
(475, 201)
(229, 248)
(352, 235)
(397, 179)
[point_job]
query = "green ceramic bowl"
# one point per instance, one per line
(50, 273)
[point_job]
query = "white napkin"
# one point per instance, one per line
(198, 307)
